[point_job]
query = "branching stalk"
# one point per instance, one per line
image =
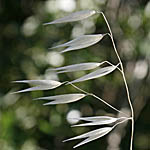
(78, 43)
(111, 65)
(93, 95)
(124, 79)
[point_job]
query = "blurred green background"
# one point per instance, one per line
(24, 54)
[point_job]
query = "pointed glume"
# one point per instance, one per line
(90, 136)
(96, 74)
(80, 42)
(39, 85)
(62, 99)
(80, 15)
(99, 120)
(76, 67)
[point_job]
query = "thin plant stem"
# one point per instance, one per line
(93, 95)
(124, 79)
(108, 104)
(110, 64)
(130, 118)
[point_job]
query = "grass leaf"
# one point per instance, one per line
(80, 15)
(96, 74)
(77, 67)
(99, 120)
(62, 99)
(80, 42)
(39, 85)
(92, 135)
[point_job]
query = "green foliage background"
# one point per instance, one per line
(24, 54)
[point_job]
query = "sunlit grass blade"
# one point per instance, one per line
(92, 138)
(80, 42)
(98, 120)
(62, 99)
(92, 135)
(39, 85)
(77, 67)
(31, 89)
(96, 74)
(39, 82)
(80, 15)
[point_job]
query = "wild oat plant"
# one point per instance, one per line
(84, 41)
